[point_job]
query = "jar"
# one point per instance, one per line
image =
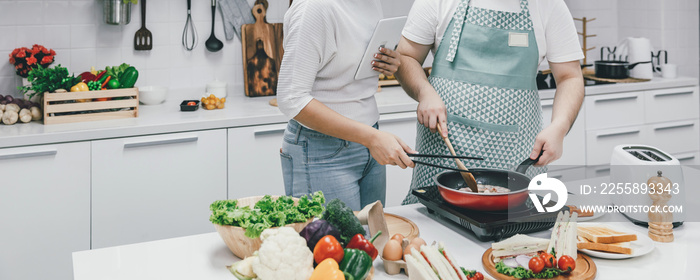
(217, 88)
(116, 12)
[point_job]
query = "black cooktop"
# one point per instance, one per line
(489, 225)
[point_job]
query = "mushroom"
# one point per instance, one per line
(36, 113)
(10, 117)
(2, 107)
(25, 115)
(12, 107)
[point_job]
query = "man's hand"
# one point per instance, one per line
(386, 148)
(432, 112)
(551, 141)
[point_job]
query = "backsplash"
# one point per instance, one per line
(77, 32)
(671, 25)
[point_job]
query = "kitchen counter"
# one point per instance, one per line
(205, 256)
(240, 111)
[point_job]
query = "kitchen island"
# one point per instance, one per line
(205, 256)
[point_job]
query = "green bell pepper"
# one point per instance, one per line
(356, 263)
(129, 77)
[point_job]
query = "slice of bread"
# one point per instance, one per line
(620, 248)
(599, 234)
(581, 213)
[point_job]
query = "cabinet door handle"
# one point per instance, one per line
(29, 154)
(673, 126)
(620, 98)
(270, 129)
(397, 118)
(548, 105)
(672, 93)
(685, 157)
(161, 142)
(618, 133)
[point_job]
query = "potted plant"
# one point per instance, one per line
(118, 12)
(27, 59)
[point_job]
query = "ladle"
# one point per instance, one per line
(213, 44)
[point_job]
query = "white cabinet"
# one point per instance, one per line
(614, 110)
(44, 209)
(155, 187)
(398, 181)
(600, 143)
(254, 161)
(572, 155)
(671, 104)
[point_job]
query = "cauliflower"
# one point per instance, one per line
(283, 255)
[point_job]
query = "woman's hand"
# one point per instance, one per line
(551, 140)
(432, 112)
(388, 61)
(387, 148)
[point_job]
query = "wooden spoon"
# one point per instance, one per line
(468, 177)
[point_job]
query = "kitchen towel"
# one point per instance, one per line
(235, 13)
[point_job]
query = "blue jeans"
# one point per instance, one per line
(313, 161)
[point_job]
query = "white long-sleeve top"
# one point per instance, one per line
(324, 41)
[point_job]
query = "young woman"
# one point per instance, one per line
(332, 143)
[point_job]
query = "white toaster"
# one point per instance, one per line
(635, 164)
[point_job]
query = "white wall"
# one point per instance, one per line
(75, 29)
(77, 32)
(671, 25)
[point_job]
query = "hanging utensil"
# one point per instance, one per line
(189, 35)
(468, 177)
(213, 44)
(143, 39)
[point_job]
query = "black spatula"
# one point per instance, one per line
(143, 39)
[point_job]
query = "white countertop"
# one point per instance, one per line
(240, 111)
(205, 256)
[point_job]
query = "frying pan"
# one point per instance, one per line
(449, 183)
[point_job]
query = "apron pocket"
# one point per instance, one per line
(500, 145)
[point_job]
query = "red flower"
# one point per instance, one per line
(46, 60)
(53, 52)
(34, 51)
(31, 60)
(21, 54)
(45, 51)
(12, 60)
(14, 52)
(19, 66)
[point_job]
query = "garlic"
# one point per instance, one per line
(36, 113)
(10, 117)
(25, 115)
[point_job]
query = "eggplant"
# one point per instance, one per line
(316, 230)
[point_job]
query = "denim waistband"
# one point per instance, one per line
(297, 130)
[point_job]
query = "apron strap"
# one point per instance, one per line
(459, 18)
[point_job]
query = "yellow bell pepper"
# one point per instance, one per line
(327, 270)
(80, 87)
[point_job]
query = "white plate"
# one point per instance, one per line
(642, 246)
(596, 215)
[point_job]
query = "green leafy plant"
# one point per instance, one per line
(521, 272)
(48, 80)
(267, 212)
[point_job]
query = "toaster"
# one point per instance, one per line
(636, 164)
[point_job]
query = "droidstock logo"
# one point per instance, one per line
(542, 183)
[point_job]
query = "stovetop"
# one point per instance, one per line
(489, 225)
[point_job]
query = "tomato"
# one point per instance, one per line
(567, 264)
(471, 278)
(536, 264)
(191, 103)
(549, 260)
(478, 276)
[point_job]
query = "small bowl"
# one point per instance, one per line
(152, 95)
(185, 107)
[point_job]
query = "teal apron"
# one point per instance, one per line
(484, 70)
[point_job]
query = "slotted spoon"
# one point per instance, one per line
(143, 39)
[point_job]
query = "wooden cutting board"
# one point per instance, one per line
(262, 54)
(585, 268)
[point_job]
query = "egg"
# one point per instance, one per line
(418, 241)
(407, 250)
(398, 237)
(392, 250)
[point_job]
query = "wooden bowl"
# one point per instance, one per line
(235, 239)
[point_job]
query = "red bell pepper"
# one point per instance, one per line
(328, 247)
(359, 242)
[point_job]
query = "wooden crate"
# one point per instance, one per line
(64, 108)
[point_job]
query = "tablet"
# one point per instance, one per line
(386, 34)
